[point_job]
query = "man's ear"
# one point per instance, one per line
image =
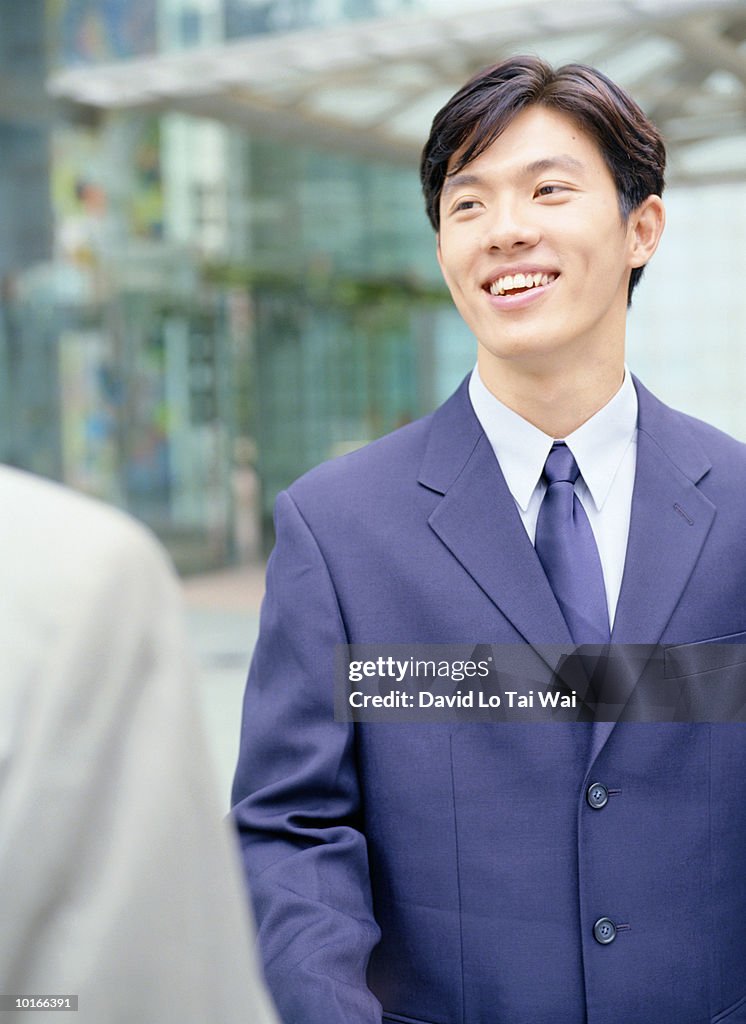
(646, 225)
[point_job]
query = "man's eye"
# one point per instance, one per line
(548, 190)
(466, 204)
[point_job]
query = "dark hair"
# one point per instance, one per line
(473, 118)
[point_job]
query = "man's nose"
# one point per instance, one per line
(510, 226)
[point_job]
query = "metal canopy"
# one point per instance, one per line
(373, 87)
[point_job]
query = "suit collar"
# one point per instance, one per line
(454, 433)
(456, 430)
(672, 433)
(478, 522)
(669, 522)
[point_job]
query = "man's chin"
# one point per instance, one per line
(532, 353)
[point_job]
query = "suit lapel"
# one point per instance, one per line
(479, 523)
(669, 523)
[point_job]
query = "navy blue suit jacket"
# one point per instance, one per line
(452, 874)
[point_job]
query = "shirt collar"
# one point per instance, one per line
(521, 448)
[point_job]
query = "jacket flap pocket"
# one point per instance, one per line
(721, 652)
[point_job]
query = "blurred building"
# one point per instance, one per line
(216, 269)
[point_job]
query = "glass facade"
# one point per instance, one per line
(97, 31)
(199, 316)
(28, 395)
(344, 292)
(83, 32)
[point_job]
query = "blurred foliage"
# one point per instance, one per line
(331, 291)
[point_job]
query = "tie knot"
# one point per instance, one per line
(561, 466)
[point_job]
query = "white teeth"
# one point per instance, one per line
(509, 282)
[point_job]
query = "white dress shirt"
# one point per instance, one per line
(605, 449)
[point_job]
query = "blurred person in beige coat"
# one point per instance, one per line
(118, 878)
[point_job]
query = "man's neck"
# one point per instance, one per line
(556, 403)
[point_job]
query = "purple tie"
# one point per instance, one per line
(567, 550)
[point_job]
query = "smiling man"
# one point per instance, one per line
(480, 873)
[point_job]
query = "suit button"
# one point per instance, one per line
(597, 796)
(604, 931)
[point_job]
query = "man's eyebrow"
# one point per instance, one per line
(459, 180)
(563, 162)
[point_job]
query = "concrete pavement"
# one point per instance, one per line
(223, 617)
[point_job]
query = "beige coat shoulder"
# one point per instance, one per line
(120, 881)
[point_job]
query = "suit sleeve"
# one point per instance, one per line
(296, 796)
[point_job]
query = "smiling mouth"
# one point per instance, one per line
(515, 284)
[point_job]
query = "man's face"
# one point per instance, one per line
(533, 248)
